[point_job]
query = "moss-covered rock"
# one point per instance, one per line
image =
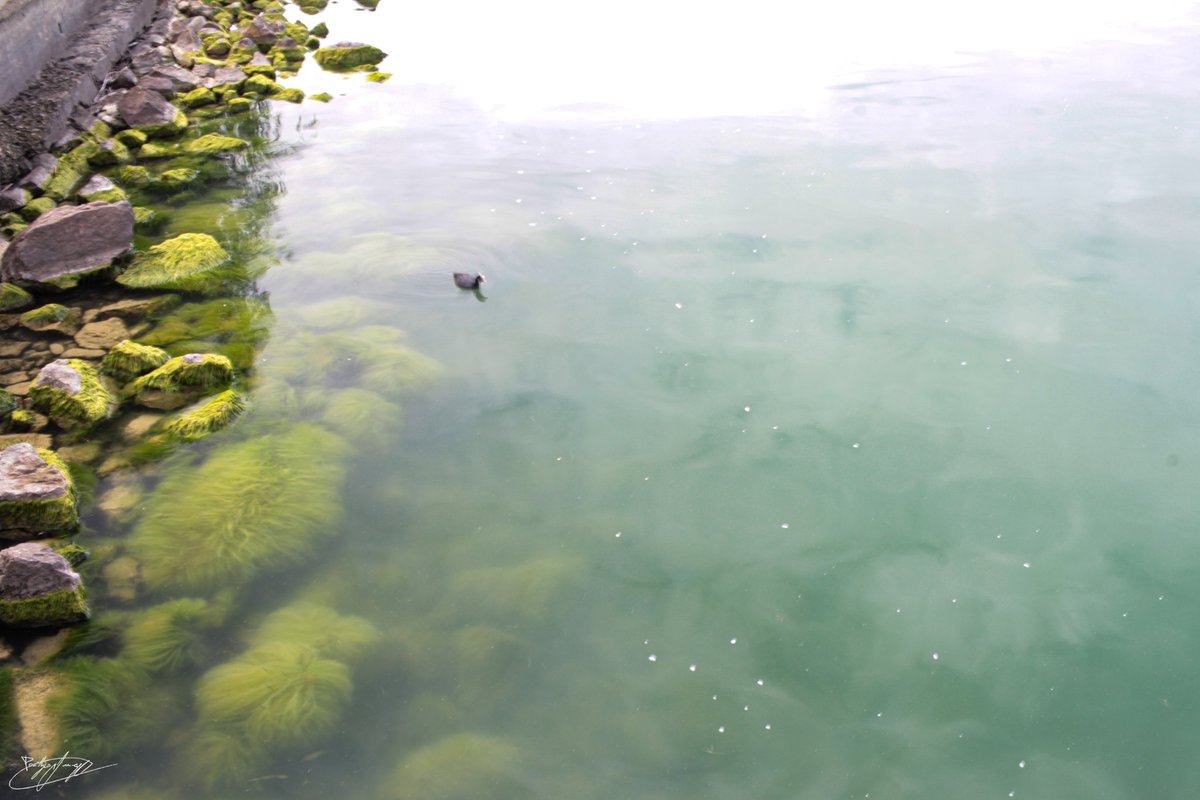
(320, 30)
(108, 153)
(38, 588)
(289, 95)
(175, 180)
(52, 317)
(72, 393)
(13, 297)
(175, 126)
(207, 417)
(348, 56)
(35, 208)
(131, 138)
(213, 143)
(128, 360)
(258, 85)
(238, 105)
(134, 175)
(378, 77)
(192, 262)
(194, 370)
(255, 506)
(8, 404)
(217, 45)
(200, 96)
(37, 492)
(321, 97)
(70, 171)
(145, 218)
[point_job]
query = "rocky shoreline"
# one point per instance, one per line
(90, 281)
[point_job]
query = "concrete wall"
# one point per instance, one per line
(34, 33)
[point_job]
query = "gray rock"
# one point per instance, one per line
(58, 374)
(141, 107)
(96, 183)
(159, 85)
(122, 79)
(14, 196)
(181, 79)
(43, 165)
(261, 30)
(31, 571)
(25, 475)
(187, 41)
(101, 335)
(69, 240)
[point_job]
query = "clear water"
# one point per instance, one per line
(833, 443)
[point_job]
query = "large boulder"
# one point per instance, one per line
(150, 111)
(68, 241)
(36, 492)
(38, 588)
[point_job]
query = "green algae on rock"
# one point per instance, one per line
(379, 77)
(209, 416)
(53, 609)
(213, 143)
(321, 97)
(52, 317)
(194, 370)
(258, 505)
(346, 56)
(13, 297)
(128, 360)
(233, 326)
(72, 393)
(190, 262)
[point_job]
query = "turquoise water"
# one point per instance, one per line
(839, 450)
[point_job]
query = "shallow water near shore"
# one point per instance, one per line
(846, 448)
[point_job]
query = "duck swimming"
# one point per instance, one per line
(465, 280)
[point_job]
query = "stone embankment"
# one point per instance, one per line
(56, 56)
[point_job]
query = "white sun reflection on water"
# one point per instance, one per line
(545, 58)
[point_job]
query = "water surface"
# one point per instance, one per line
(832, 443)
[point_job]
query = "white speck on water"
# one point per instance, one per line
(733, 640)
(953, 599)
(897, 611)
(759, 681)
(520, 172)
(519, 200)
(745, 708)
(583, 238)
(646, 478)
(679, 305)
(962, 363)
(855, 445)
(558, 458)
(533, 224)
(746, 409)
(721, 729)
(618, 534)
(714, 697)
(1021, 763)
(935, 656)
(879, 715)
(767, 727)
(653, 657)
(785, 526)
(692, 668)
(1026, 565)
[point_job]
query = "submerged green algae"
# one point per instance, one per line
(207, 416)
(255, 506)
(127, 360)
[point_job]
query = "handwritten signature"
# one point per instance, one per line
(38, 773)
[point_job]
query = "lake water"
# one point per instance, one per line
(827, 426)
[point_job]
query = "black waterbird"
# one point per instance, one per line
(465, 280)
